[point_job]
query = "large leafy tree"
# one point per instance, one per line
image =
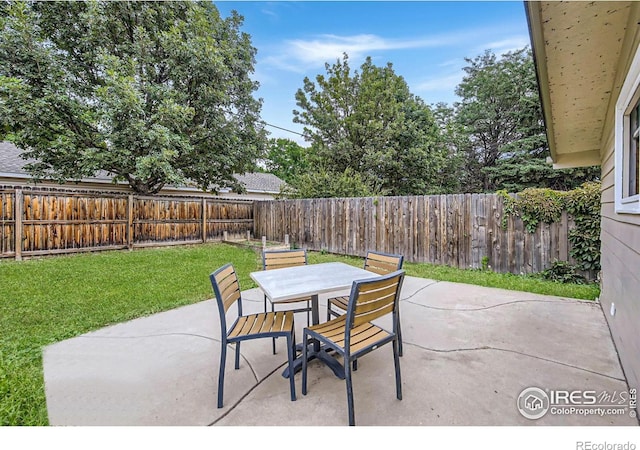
(368, 121)
(501, 117)
(151, 92)
(327, 183)
(286, 159)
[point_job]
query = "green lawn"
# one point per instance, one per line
(526, 283)
(46, 300)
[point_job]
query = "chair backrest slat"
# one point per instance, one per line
(375, 290)
(381, 263)
(279, 259)
(224, 272)
(226, 283)
(371, 299)
(231, 298)
(226, 289)
(376, 300)
(368, 317)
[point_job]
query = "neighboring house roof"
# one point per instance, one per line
(12, 166)
(577, 47)
(261, 182)
(10, 161)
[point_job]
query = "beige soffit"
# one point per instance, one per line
(576, 47)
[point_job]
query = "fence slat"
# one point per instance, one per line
(17, 230)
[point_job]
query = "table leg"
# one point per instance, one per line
(315, 317)
(317, 352)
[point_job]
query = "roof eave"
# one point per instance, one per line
(579, 159)
(534, 22)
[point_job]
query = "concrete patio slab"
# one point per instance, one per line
(469, 353)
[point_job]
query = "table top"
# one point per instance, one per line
(300, 281)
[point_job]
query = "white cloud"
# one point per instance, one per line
(441, 83)
(298, 55)
(457, 62)
(506, 45)
(270, 13)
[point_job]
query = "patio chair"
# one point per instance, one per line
(353, 335)
(279, 259)
(255, 326)
(380, 263)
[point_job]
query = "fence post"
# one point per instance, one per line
(17, 230)
(130, 237)
(248, 235)
(204, 220)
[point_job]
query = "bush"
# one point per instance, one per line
(536, 205)
(583, 204)
(322, 183)
(563, 272)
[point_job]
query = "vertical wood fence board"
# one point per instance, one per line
(563, 237)
(468, 221)
(484, 249)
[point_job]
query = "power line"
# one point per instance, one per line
(270, 125)
(283, 129)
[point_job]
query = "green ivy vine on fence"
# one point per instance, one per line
(536, 205)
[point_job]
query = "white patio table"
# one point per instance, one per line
(310, 280)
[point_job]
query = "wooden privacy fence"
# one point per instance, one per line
(462, 230)
(47, 221)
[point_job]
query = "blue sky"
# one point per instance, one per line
(426, 41)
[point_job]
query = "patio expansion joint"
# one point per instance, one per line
(404, 299)
(142, 336)
(498, 349)
(258, 383)
(483, 308)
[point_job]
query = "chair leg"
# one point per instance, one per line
(273, 308)
(237, 355)
(355, 365)
(396, 362)
(291, 349)
(347, 377)
(304, 363)
(399, 334)
(223, 359)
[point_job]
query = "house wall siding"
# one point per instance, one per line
(620, 237)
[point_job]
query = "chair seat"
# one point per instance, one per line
(271, 323)
(340, 302)
(363, 337)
